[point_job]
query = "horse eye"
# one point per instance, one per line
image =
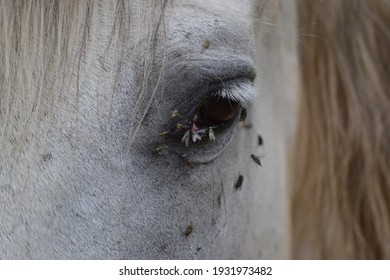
(217, 111)
(203, 130)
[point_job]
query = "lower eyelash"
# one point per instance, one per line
(239, 92)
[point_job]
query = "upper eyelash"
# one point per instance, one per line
(239, 92)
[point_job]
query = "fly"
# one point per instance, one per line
(161, 150)
(175, 113)
(256, 159)
(189, 230)
(238, 184)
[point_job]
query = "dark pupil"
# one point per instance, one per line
(217, 110)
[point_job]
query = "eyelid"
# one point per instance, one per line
(239, 90)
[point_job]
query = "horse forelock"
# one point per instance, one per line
(44, 49)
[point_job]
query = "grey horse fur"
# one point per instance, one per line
(99, 190)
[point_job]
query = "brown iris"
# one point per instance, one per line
(216, 111)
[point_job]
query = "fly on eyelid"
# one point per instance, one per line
(243, 120)
(211, 134)
(175, 113)
(186, 138)
(180, 126)
(188, 162)
(243, 115)
(161, 150)
(196, 136)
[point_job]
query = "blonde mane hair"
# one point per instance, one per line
(43, 47)
(341, 165)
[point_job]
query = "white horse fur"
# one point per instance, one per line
(86, 180)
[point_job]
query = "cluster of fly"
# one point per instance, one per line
(197, 128)
(190, 130)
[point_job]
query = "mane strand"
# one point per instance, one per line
(340, 170)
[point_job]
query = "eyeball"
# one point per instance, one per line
(216, 111)
(202, 134)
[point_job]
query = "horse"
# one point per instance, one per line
(193, 130)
